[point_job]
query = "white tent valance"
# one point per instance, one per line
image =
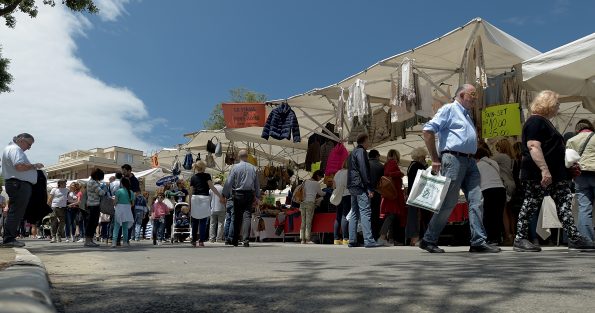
(568, 70)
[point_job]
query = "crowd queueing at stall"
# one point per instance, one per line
(504, 183)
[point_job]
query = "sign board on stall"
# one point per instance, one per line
(240, 115)
(501, 120)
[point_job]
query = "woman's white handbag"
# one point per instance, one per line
(428, 191)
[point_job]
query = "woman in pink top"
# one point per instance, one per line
(158, 212)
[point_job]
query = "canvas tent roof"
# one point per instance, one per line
(265, 150)
(440, 60)
(568, 70)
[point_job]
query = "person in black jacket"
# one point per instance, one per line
(281, 124)
(376, 172)
(361, 189)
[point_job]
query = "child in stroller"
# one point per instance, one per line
(181, 226)
(183, 217)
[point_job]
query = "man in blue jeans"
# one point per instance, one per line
(457, 143)
(361, 189)
(228, 227)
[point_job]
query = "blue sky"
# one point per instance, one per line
(181, 60)
(148, 71)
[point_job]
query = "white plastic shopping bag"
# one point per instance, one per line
(548, 218)
(428, 191)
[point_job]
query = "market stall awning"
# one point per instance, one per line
(568, 70)
(440, 62)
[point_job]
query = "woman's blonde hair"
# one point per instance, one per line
(419, 154)
(393, 155)
(503, 146)
(199, 167)
(545, 103)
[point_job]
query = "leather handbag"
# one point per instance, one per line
(211, 146)
(386, 188)
(106, 205)
(230, 155)
(299, 194)
(218, 149)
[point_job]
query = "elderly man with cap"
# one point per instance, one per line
(242, 184)
(20, 175)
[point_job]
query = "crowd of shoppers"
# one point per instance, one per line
(504, 184)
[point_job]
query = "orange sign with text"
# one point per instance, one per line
(240, 115)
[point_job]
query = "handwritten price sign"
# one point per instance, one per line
(501, 120)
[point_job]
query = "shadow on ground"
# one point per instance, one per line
(460, 282)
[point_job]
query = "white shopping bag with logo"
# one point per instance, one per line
(428, 191)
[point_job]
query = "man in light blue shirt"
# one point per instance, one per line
(457, 144)
(243, 186)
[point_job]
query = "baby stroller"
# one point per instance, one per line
(181, 228)
(46, 226)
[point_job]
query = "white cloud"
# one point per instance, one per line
(560, 7)
(110, 10)
(55, 97)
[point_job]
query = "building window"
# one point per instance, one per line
(128, 158)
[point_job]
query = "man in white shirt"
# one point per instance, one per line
(19, 175)
(58, 200)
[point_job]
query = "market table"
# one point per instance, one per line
(322, 223)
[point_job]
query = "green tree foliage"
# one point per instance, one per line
(29, 7)
(216, 120)
(5, 77)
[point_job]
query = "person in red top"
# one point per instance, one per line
(393, 209)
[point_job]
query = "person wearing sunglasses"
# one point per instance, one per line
(20, 175)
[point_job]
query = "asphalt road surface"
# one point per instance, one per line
(275, 277)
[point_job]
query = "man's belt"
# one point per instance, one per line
(461, 154)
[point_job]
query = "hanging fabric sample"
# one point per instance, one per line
(313, 152)
(357, 102)
(407, 81)
(325, 151)
(426, 99)
(380, 128)
(340, 112)
(401, 107)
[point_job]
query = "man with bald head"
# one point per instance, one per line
(243, 186)
(454, 158)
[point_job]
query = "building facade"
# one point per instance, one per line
(79, 164)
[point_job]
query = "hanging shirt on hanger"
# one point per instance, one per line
(340, 111)
(357, 102)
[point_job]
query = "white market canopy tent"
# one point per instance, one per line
(568, 70)
(440, 62)
(150, 176)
